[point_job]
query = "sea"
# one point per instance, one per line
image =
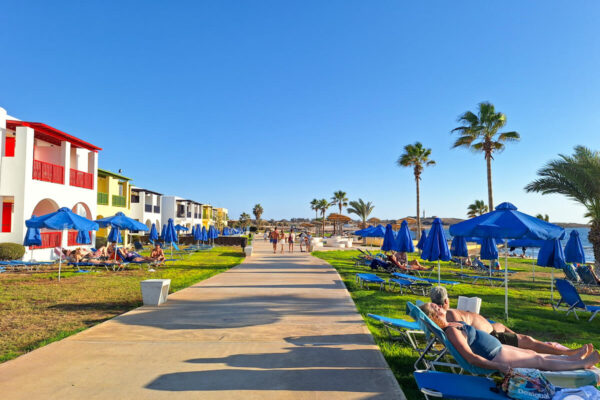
(583, 235)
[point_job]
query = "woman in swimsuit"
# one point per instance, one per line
(483, 350)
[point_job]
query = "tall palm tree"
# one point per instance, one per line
(543, 217)
(477, 208)
(576, 177)
(479, 132)
(362, 209)
(322, 206)
(314, 203)
(340, 199)
(417, 157)
(244, 217)
(257, 211)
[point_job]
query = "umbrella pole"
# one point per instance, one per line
(439, 268)
(533, 262)
(59, 266)
(552, 287)
(505, 281)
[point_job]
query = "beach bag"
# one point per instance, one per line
(527, 384)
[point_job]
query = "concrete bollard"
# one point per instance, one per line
(155, 291)
(248, 251)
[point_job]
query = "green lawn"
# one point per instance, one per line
(35, 309)
(529, 309)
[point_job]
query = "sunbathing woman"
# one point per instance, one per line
(485, 351)
(401, 260)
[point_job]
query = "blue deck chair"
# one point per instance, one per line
(363, 279)
(570, 271)
(414, 286)
(438, 336)
(572, 300)
(435, 384)
(587, 275)
(428, 280)
(490, 279)
(405, 329)
(485, 269)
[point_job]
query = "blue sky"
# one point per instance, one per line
(244, 102)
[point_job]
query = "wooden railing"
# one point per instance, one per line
(103, 198)
(119, 201)
(47, 172)
(72, 238)
(49, 240)
(81, 179)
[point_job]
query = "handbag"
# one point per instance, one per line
(527, 384)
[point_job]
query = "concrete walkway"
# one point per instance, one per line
(275, 327)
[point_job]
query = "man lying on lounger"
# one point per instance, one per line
(439, 297)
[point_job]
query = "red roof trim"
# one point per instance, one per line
(53, 133)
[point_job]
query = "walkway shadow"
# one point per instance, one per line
(358, 380)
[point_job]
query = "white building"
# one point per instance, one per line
(146, 207)
(184, 212)
(41, 170)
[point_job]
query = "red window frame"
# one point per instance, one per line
(9, 146)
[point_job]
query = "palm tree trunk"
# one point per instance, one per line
(418, 208)
(488, 159)
(323, 223)
(594, 238)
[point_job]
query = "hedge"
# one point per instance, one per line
(11, 251)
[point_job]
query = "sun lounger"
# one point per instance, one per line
(435, 384)
(490, 279)
(572, 300)
(405, 329)
(428, 280)
(588, 276)
(485, 269)
(370, 278)
(421, 288)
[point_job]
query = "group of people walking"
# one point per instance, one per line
(280, 238)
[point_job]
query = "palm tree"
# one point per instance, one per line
(362, 209)
(477, 208)
(543, 217)
(576, 177)
(478, 133)
(340, 199)
(257, 211)
(322, 206)
(314, 206)
(416, 156)
(244, 217)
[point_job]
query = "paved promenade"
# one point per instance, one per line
(275, 327)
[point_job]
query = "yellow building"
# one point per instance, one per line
(207, 215)
(220, 216)
(114, 195)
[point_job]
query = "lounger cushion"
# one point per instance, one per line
(458, 387)
(396, 322)
(574, 379)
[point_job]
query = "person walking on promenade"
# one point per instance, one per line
(291, 239)
(274, 237)
(301, 240)
(282, 239)
(266, 235)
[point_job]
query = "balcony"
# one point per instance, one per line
(102, 198)
(72, 238)
(148, 207)
(50, 240)
(43, 171)
(81, 179)
(157, 209)
(119, 201)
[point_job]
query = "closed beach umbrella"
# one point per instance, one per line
(404, 242)
(204, 234)
(508, 223)
(389, 239)
(421, 242)
(436, 246)
(163, 231)
(197, 233)
(458, 248)
(170, 235)
(60, 220)
(153, 233)
(574, 249)
(193, 231)
(551, 255)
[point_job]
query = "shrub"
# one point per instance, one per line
(11, 251)
(100, 241)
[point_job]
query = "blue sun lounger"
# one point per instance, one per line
(570, 297)
(414, 287)
(370, 278)
(428, 280)
(490, 279)
(435, 384)
(406, 329)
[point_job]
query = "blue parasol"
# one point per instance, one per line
(551, 255)
(153, 234)
(574, 249)
(436, 246)
(389, 239)
(404, 242)
(421, 242)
